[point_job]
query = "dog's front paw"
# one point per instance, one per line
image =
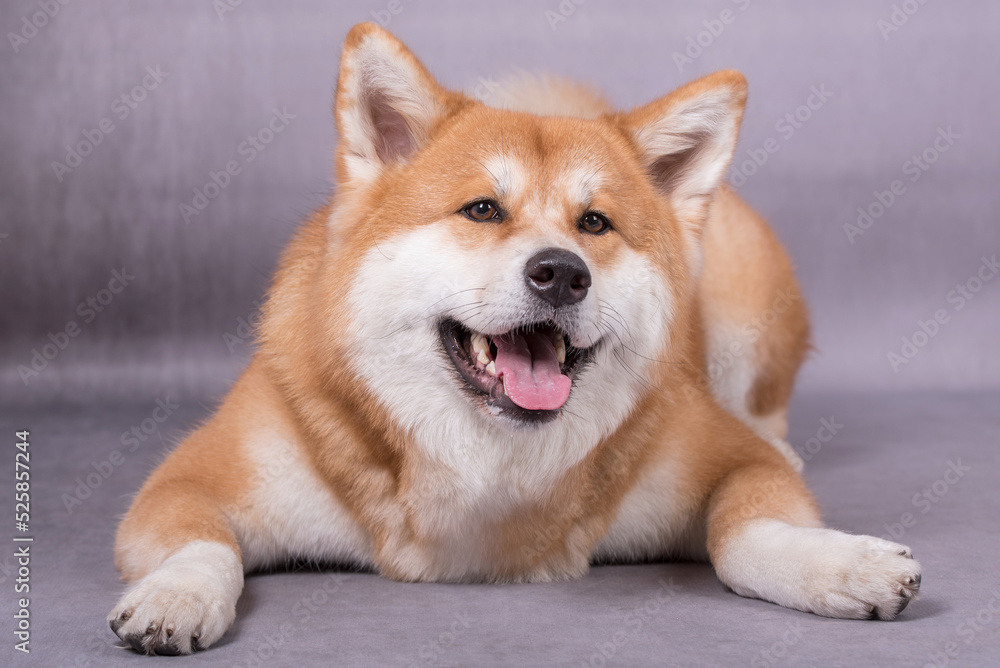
(169, 618)
(823, 571)
(868, 578)
(184, 605)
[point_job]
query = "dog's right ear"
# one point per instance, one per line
(386, 105)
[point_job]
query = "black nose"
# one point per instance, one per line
(558, 276)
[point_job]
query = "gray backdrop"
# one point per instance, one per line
(173, 90)
(890, 92)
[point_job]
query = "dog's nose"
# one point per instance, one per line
(558, 276)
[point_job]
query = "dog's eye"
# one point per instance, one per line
(594, 223)
(482, 210)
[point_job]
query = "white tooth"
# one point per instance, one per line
(481, 347)
(505, 385)
(491, 368)
(561, 350)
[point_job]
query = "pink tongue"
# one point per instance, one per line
(529, 368)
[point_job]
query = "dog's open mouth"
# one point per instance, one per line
(527, 371)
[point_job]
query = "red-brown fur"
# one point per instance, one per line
(302, 378)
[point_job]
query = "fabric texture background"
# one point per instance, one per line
(166, 96)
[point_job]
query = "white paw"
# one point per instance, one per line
(867, 578)
(184, 605)
(827, 572)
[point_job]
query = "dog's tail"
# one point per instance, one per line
(544, 95)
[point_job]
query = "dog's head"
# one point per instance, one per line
(514, 269)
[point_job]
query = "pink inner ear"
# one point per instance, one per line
(393, 139)
(668, 170)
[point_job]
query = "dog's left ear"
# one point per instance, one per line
(386, 105)
(687, 139)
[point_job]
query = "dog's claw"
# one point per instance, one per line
(135, 641)
(117, 622)
(153, 642)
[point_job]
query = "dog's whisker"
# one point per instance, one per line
(607, 309)
(632, 350)
(468, 309)
(457, 292)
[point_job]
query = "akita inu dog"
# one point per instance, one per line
(490, 359)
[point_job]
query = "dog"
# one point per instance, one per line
(522, 338)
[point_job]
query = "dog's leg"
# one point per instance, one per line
(180, 554)
(766, 541)
(756, 322)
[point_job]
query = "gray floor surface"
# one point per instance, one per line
(887, 458)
